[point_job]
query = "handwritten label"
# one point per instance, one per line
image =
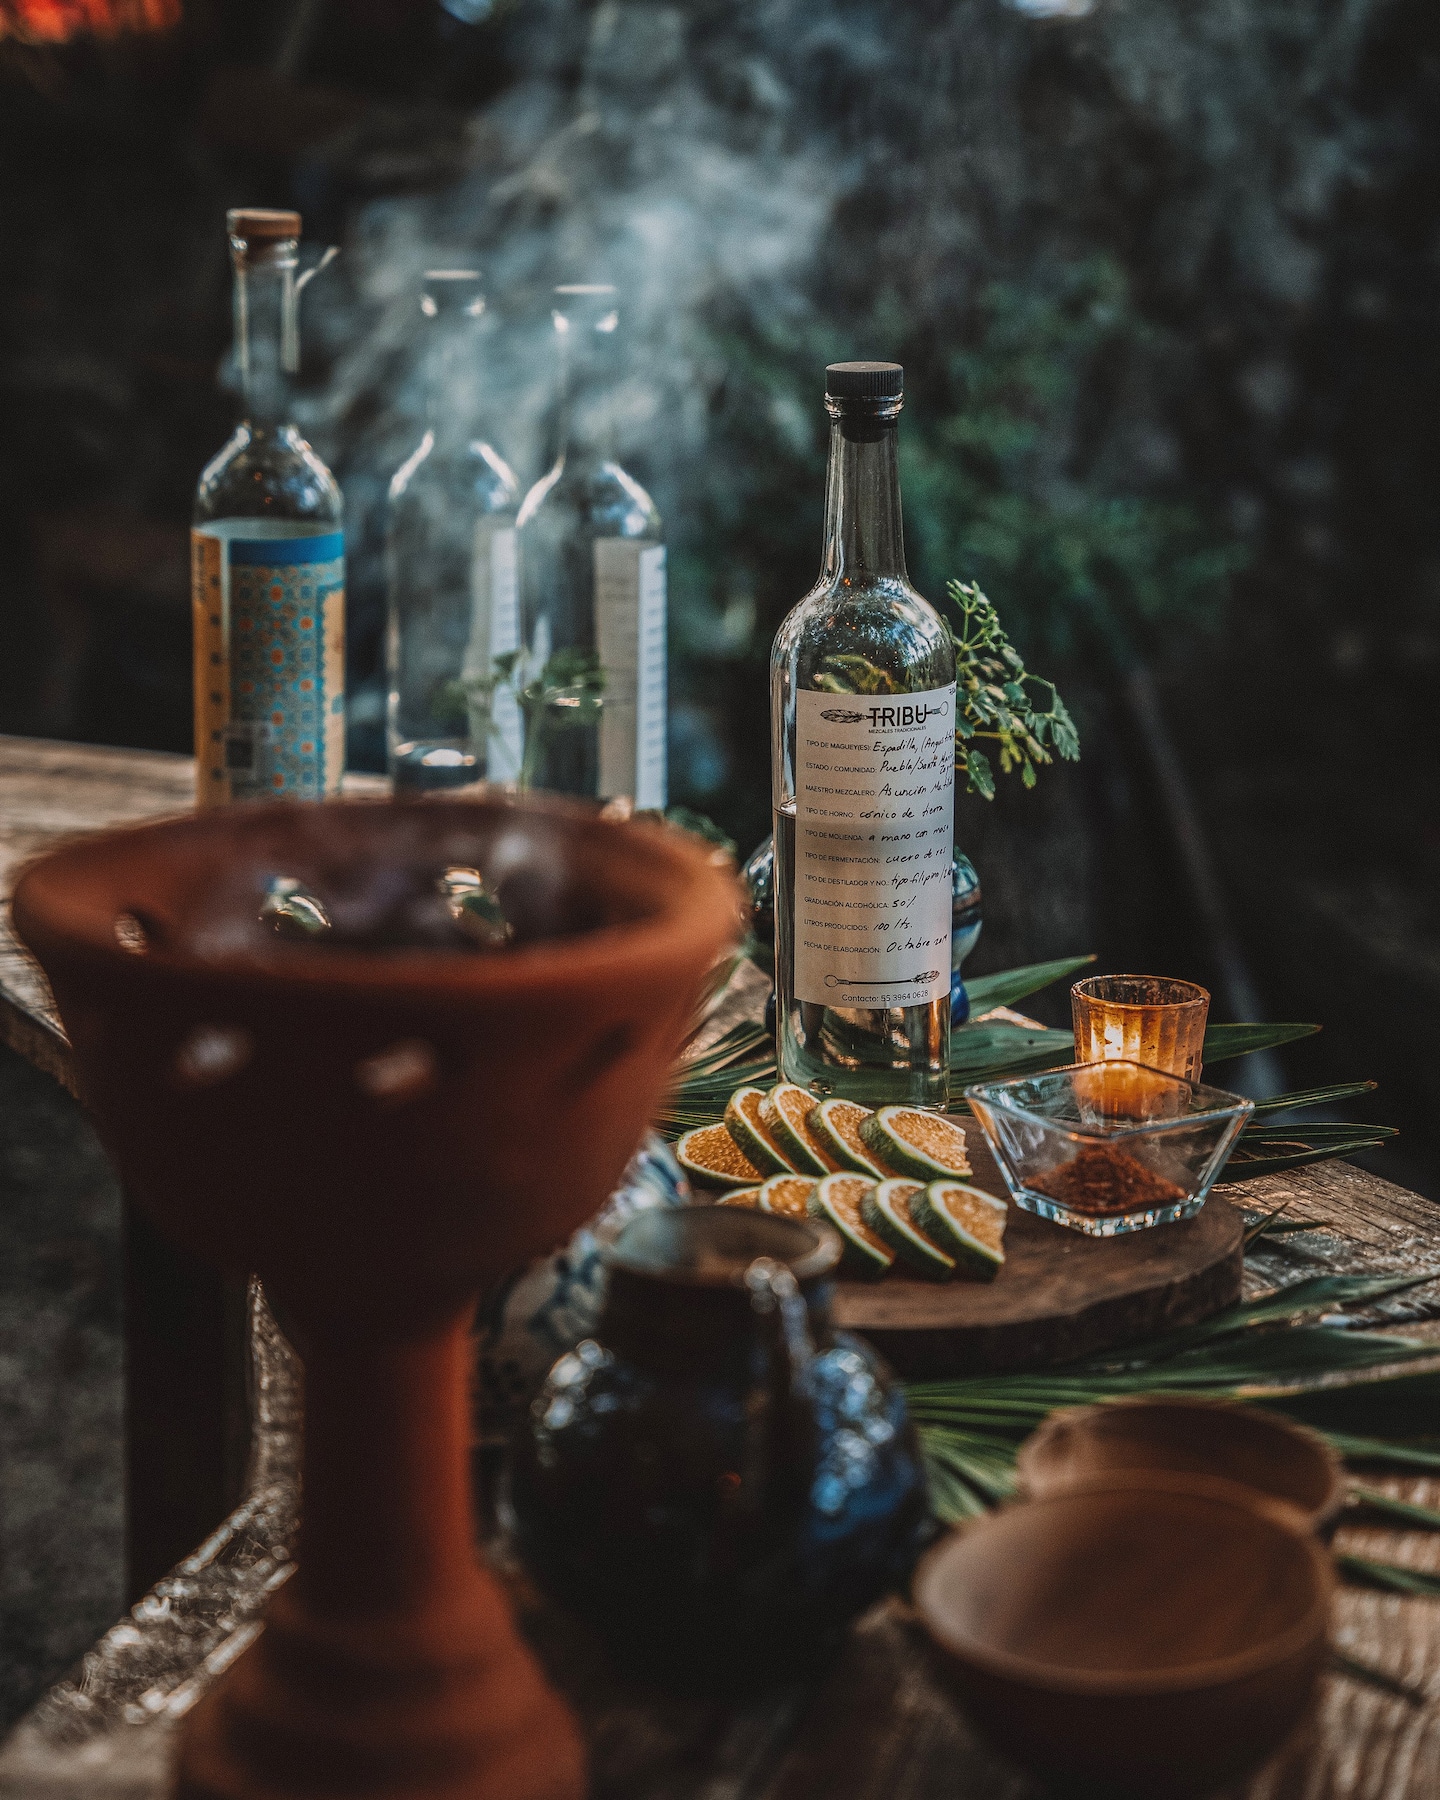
(874, 840)
(630, 642)
(495, 631)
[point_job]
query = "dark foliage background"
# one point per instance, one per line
(1164, 281)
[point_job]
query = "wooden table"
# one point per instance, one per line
(187, 1421)
(876, 1727)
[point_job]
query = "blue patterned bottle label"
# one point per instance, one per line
(269, 616)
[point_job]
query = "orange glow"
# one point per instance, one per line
(54, 21)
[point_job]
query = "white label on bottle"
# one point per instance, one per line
(874, 838)
(630, 642)
(496, 625)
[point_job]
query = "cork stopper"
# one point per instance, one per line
(257, 224)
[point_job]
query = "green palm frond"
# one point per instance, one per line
(1267, 1349)
(1010, 985)
(1392, 1577)
(1317, 1096)
(1372, 1500)
(997, 1051)
(1224, 1041)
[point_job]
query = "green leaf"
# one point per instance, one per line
(979, 774)
(1318, 1096)
(1254, 1157)
(1299, 1300)
(1225, 1041)
(1374, 1501)
(1010, 985)
(1357, 1670)
(1394, 1579)
(986, 1052)
(1379, 1450)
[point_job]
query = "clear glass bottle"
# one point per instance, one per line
(267, 559)
(863, 738)
(453, 604)
(592, 586)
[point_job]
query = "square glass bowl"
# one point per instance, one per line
(1108, 1147)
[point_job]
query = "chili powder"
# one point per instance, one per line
(1103, 1179)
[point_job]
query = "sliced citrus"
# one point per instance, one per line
(838, 1200)
(923, 1145)
(886, 1210)
(836, 1124)
(711, 1155)
(966, 1223)
(740, 1197)
(742, 1121)
(787, 1194)
(784, 1116)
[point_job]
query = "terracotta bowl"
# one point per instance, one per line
(1259, 1450)
(1149, 1635)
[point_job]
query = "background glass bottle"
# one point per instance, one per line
(452, 598)
(592, 585)
(863, 879)
(267, 558)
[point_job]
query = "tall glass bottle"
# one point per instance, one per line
(592, 586)
(453, 606)
(267, 559)
(863, 739)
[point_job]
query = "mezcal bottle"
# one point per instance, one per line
(453, 605)
(863, 739)
(267, 560)
(592, 586)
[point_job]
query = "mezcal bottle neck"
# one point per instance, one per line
(267, 338)
(453, 304)
(587, 322)
(864, 539)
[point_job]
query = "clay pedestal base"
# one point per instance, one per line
(455, 1709)
(389, 1666)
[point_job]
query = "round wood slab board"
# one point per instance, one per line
(1060, 1294)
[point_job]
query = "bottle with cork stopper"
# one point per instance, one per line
(267, 557)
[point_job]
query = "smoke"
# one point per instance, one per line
(775, 185)
(695, 196)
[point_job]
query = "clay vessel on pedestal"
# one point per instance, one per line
(378, 1133)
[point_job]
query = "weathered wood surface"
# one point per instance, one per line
(49, 791)
(876, 1727)
(1059, 1295)
(184, 1357)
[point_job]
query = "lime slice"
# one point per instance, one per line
(923, 1145)
(742, 1121)
(740, 1197)
(838, 1200)
(787, 1194)
(886, 1210)
(836, 1125)
(784, 1116)
(966, 1222)
(710, 1154)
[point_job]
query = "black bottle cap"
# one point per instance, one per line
(865, 381)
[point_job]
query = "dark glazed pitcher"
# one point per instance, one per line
(719, 1480)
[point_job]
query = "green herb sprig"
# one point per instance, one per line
(994, 700)
(569, 691)
(996, 696)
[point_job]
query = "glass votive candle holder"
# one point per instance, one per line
(1146, 1019)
